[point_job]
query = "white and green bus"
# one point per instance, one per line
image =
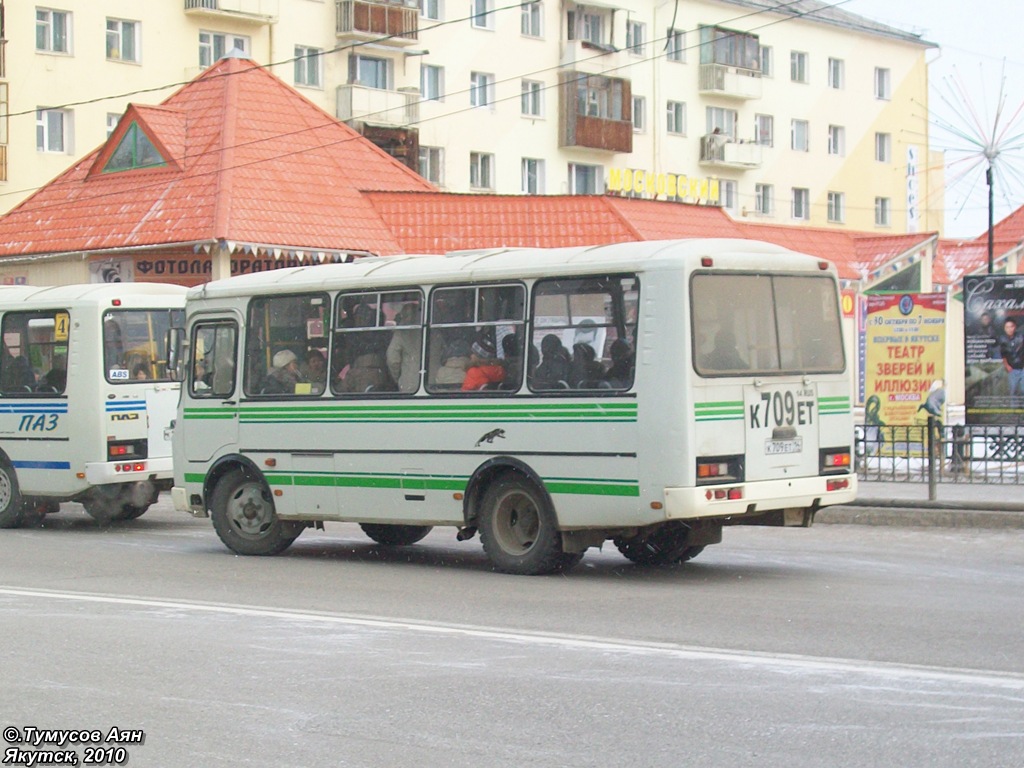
(647, 393)
(86, 400)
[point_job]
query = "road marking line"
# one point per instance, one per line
(995, 678)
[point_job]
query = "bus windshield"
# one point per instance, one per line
(747, 324)
(135, 343)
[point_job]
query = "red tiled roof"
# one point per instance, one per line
(440, 222)
(258, 164)
(1009, 230)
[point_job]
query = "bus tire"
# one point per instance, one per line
(518, 529)
(664, 546)
(12, 505)
(242, 511)
(395, 535)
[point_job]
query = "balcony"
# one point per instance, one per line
(252, 11)
(587, 57)
(595, 112)
(395, 24)
(394, 109)
(724, 152)
(731, 82)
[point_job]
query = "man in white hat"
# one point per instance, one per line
(284, 375)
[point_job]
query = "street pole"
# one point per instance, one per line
(991, 219)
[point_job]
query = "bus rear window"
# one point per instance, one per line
(135, 343)
(765, 324)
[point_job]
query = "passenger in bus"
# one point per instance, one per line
(54, 380)
(140, 371)
(586, 372)
(456, 360)
(513, 359)
(724, 356)
(620, 374)
(316, 370)
(16, 373)
(484, 367)
(113, 346)
(284, 375)
(554, 369)
(368, 370)
(403, 353)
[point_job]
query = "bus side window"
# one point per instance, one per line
(213, 360)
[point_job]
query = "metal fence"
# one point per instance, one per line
(940, 454)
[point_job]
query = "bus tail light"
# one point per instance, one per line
(719, 469)
(838, 484)
(126, 450)
(835, 460)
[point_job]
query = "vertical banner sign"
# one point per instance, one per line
(994, 349)
(906, 346)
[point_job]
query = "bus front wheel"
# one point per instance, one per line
(666, 545)
(12, 505)
(243, 515)
(395, 535)
(518, 530)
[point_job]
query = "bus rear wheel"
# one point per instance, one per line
(518, 530)
(12, 505)
(395, 535)
(664, 546)
(242, 511)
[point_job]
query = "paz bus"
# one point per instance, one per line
(86, 400)
(645, 393)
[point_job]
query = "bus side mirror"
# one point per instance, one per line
(175, 361)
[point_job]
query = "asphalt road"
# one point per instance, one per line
(840, 645)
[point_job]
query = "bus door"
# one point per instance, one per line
(210, 400)
(782, 429)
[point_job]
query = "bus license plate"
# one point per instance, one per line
(776, 447)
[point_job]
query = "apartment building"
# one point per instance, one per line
(780, 112)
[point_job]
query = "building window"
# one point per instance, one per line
(800, 139)
(836, 73)
(481, 89)
(636, 37)
(836, 140)
(727, 194)
(801, 203)
(53, 31)
(307, 66)
(676, 118)
(598, 96)
(213, 46)
(122, 40)
(883, 211)
(763, 194)
(798, 66)
(432, 164)
(530, 20)
(481, 170)
(764, 130)
(882, 84)
(533, 176)
(722, 119)
(767, 60)
(836, 207)
(533, 98)
(432, 82)
(675, 45)
(112, 120)
(483, 14)
(4, 109)
(593, 28)
(53, 130)
(430, 9)
(371, 72)
(883, 147)
(639, 114)
(585, 179)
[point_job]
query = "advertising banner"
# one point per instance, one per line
(906, 360)
(994, 349)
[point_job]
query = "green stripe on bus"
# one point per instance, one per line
(566, 485)
(833, 405)
(728, 410)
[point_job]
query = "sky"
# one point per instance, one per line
(979, 52)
